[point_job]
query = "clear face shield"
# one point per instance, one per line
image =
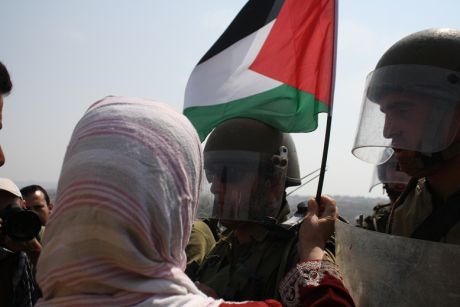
(244, 185)
(410, 107)
(389, 173)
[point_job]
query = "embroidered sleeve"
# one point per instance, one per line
(312, 281)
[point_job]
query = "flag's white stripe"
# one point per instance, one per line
(225, 77)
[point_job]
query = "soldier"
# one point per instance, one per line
(412, 103)
(249, 164)
(394, 182)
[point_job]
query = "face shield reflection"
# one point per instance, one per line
(246, 186)
(410, 107)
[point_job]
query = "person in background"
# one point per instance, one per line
(126, 199)
(19, 249)
(37, 199)
(5, 89)
(394, 182)
(17, 283)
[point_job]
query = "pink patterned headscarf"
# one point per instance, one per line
(126, 199)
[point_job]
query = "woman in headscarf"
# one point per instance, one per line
(126, 200)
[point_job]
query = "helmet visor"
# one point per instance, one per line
(411, 107)
(245, 186)
(388, 172)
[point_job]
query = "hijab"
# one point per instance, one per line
(126, 199)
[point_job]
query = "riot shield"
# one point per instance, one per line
(386, 270)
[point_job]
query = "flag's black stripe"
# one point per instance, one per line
(253, 16)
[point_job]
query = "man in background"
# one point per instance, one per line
(38, 200)
(19, 249)
(394, 182)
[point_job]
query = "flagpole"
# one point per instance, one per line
(327, 135)
(302, 185)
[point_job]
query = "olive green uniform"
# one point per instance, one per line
(200, 243)
(415, 207)
(249, 271)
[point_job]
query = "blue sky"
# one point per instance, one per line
(64, 55)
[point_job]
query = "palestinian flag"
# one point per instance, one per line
(274, 63)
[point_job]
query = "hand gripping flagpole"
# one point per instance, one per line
(329, 113)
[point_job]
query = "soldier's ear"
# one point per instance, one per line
(50, 206)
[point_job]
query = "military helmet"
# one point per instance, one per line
(411, 99)
(433, 47)
(245, 134)
(248, 165)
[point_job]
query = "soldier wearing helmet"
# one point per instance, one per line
(394, 181)
(248, 165)
(411, 109)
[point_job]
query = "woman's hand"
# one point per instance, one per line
(316, 228)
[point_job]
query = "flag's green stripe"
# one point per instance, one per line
(283, 107)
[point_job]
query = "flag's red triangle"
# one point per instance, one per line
(299, 50)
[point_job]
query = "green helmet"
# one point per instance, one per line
(411, 99)
(432, 47)
(249, 164)
(245, 134)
